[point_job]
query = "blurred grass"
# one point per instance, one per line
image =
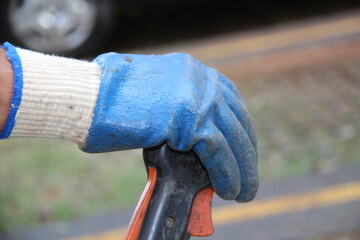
(307, 120)
(45, 180)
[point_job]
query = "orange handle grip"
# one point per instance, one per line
(141, 208)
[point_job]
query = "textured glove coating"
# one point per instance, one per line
(145, 100)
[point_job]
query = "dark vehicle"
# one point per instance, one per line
(67, 27)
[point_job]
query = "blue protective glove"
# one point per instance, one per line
(145, 100)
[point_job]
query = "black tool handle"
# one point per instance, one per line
(180, 177)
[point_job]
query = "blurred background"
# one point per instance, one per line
(297, 65)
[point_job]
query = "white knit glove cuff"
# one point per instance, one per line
(58, 97)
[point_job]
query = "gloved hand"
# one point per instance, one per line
(145, 100)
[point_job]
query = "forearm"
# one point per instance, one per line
(127, 101)
(57, 96)
(6, 87)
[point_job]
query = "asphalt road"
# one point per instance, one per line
(294, 208)
(297, 208)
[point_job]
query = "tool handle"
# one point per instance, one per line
(176, 202)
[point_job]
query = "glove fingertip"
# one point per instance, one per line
(221, 167)
(248, 192)
(227, 194)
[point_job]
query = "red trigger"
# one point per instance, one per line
(200, 222)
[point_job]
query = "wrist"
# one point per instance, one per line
(13, 82)
(6, 87)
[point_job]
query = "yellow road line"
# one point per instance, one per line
(338, 194)
(275, 40)
(115, 234)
